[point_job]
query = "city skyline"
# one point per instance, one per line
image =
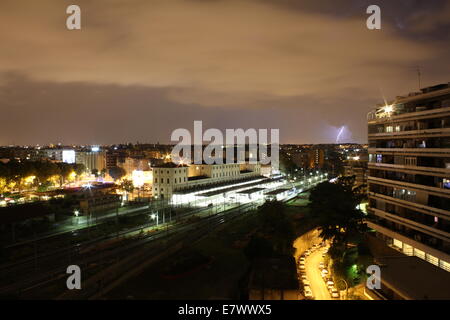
(136, 73)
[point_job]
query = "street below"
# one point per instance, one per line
(313, 273)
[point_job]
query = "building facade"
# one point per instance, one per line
(356, 165)
(91, 160)
(169, 177)
(409, 174)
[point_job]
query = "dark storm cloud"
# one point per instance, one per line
(139, 69)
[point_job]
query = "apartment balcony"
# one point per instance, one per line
(430, 171)
(410, 186)
(412, 224)
(435, 212)
(411, 237)
(373, 118)
(430, 152)
(426, 133)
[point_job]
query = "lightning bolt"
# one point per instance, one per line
(340, 133)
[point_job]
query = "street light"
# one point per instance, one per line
(346, 287)
(76, 213)
(155, 216)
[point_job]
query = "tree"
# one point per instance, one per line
(79, 168)
(276, 223)
(128, 186)
(95, 172)
(335, 206)
(258, 247)
(117, 173)
(65, 169)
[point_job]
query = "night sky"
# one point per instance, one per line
(140, 68)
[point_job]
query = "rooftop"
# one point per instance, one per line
(415, 278)
(252, 190)
(169, 165)
(275, 192)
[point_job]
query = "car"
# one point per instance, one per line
(302, 259)
(321, 265)
(324, 273)
(334, 293)
(324, 255)
(303, 277)
(330, 284)
(306, 283)
(307, 252)
(308, 292)
(302, 267)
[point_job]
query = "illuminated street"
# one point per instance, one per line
(318, 286)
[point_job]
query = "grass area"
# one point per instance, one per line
(298, 202)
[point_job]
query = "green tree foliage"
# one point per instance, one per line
(258, 247)
(276, 223)
(15, 171)
(334, 205)
(79, 168)
(95, 172)
(117, 173)
(128, 186)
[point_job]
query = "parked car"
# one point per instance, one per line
(334, 293)
(308, 292)
(302, 267)
(303, 277)
(306, 283)
(321, 265)
(307, 252)
(302, 259)
(324, 273)
(330, 284)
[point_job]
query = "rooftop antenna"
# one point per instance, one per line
(419, 75)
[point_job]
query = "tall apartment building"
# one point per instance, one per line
(409, 174)
(91, 160)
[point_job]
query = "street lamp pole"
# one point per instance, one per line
(155, 216)
(346, 288)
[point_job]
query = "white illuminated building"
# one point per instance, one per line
(211, 183)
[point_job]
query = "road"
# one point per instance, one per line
(318, 286)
